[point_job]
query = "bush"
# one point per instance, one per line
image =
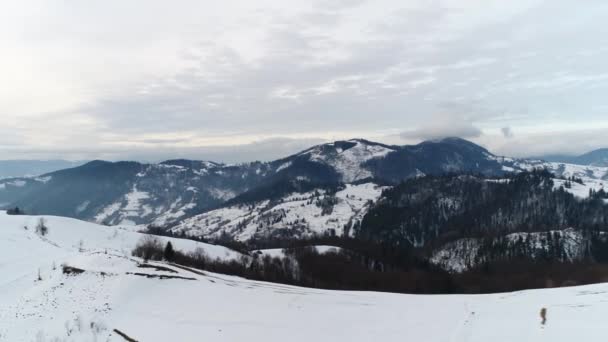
(15, 211)
(149, 248)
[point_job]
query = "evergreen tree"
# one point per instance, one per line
(169, 253)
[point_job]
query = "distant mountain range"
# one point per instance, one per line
(437, 194)
(166, 193)
(25, 168)
(597, 157)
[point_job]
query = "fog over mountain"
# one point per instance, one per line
(23, 168)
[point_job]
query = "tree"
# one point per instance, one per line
(169, 253)
(14, 211)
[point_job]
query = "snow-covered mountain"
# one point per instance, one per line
(115, 297)
(297, 215)
(348, 158)
(167, 193)
(130, 192)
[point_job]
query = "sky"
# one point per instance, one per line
(255, 80)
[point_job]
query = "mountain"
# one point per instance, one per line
(78, 283)
(30, 168)
(297, 208)
(450, 155)
(463, 221)
(131, 192)
(597, 157)
(167, 192)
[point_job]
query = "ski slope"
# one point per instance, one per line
(200, 306)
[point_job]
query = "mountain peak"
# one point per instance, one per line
(458, 142)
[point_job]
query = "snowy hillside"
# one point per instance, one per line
(132, 193)
(585, 172)
(297, 215)
(167, 303)
(464, 254)
(348, 158)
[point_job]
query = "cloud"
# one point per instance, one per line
(566, 142)
(442, 126)
(507, 132)
(152, 150)
(185, 76)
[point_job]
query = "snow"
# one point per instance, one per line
(134, 199)
(283, 166)
(593, 177)
(585, 172)
(296, 213)
(214, 307)
(280, 252)
(107, 212)
(44, 180)
(128, 209)
(15, 183)
(462, 254)
(580, 190)
(83, 206)
(221, 193)
(349, 162)
(176, 211)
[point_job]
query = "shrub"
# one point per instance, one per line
(149, 248)
(15, 211)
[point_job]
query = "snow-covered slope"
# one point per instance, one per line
(177, 304)
(585, 172)
(130, 192)
(463, 254)
(280, 252)
(348, 158)
(297, 215)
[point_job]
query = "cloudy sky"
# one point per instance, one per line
(243, 80)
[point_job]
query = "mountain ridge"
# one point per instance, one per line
(597, 157)
(173, 190)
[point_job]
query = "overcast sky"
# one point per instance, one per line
(244, 80)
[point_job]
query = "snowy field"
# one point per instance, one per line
(197, 306)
